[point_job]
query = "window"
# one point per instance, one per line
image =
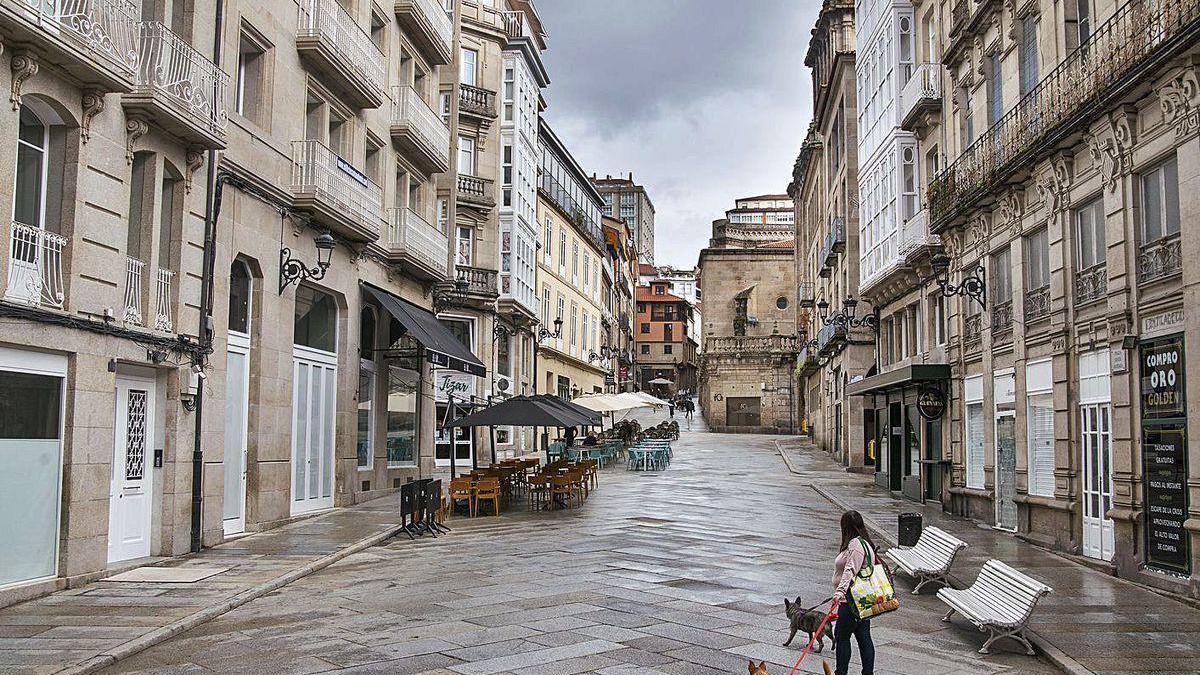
(995, 89)
(379, 31)
(587, 272)
(506, 172)
(509, 92)
(575, 263)
(250, 100)
(562, 249)
(973, 430)
(1084, 18)
(1001, 273)
(646, 328)
(374, 161)
(1160, 201)
(549, 237)
(443, 214)
(504, 354)
(239, 297)
(586, 333)
(1089, 225)
(444, 106)
(33, 145)
(645, 348)
(402, 414)
(1040, 423)
(465, 255)
(669, 332)
(574, 324)
(546, 306)
(466, 156)
(315, 324)
(467, 64)
(366, 389)
(660, 290)
(668, 349)
(1028, 54)
(939, 319)
(1037, 261)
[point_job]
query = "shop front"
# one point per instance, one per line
(1164, 454)
(903, 420)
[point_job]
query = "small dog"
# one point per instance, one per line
(761, 668)
(807, 620)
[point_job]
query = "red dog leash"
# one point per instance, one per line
(832, 614)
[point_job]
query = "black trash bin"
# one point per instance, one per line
(909, 529)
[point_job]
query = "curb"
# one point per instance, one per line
(163, 633)
(1055, 655)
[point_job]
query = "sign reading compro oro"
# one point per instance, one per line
(1162, 378)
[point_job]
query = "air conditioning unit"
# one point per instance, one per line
(504, 385)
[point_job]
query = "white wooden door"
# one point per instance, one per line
(314, 398)
(1096, 445)
(131, 494)
(237, 407)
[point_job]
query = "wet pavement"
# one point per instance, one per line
(1095, 622)
(680, 571)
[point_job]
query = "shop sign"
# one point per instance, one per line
(447, 382)
(1164, 465)
(931, 403)
(1165, 322)
(1162, 378)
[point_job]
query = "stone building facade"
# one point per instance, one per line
(749, 344)
(1056, 148)
(623, 259)
(625, 199)
(824, 188)
(666, 351)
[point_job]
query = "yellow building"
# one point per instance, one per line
(569, 276)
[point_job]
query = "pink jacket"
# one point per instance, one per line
(848, 564)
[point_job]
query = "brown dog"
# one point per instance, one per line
(761, 668)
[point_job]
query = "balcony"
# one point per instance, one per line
(420, 132)
(835, 242)
(481, 283)
(1002, 322)
(163, 319)
(477, 102)
(1091, 284)
(177, 88)
(35, 262)
(135, 291)
(419, 246)
(476, 191)
(335, 193)
(922, 94)
(915, 236)
(806, 294)
(426, 23)
(806, 362)
(761, 344)
(95, 41)
(1037, 304)
(1108, 65)
(830, 339)
(1160, 260)
(338, 48)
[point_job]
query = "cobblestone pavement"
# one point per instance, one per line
(682, 571)
(1107, 625)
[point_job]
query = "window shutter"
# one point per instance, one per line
(975, 445)
(1041, 447)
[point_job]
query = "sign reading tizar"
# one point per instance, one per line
(1162, 378)
(931, 403)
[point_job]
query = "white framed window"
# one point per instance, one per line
(366, 391)
(1039, 396)
(1089, 228)
(467, 66)
(465, 247)
(509, 92)
(506, 172)
(1037, 260)
(1160, 201)
(443, 214)
(574, 324)
(973, 431)
(466, 156)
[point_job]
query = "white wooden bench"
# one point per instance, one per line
(930, 559)
(999, 602)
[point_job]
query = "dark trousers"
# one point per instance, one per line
(847, 625)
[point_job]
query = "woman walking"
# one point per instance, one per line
(856, 546)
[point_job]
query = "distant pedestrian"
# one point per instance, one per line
(856, 546)
(569, 436)
(671, 407)
(689, 407)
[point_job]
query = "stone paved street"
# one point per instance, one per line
(676, 572)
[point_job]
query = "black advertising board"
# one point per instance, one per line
(1163, 379)
(1164, 461)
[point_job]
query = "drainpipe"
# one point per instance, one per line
(204, 330)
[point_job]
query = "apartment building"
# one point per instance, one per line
(630, 202)
(1055, 146)
(749, 345)
(623, 256)
(101, 285)
(686, 284)
(571, 267)
(836, 346)
(666, 352)
(491, 99)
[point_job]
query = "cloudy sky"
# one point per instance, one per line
(703, 100)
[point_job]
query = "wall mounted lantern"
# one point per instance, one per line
(293, 270)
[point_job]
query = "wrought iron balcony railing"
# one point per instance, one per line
(419, 129)
(97, 39)
(331, 35)
(922, 93)
(477, 101)
(757, 344)
(835, 242)
(189, 87)
(135, 290)
(1002, 322)
(1138, 33)
(806, 293)
(35, 265)
(1091, 284)
(340, 195)
(830, 338)
(429, 26)
(1160, 259)
(414, 237)
(163, 316)
(1037, 304)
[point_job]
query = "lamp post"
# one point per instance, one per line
(847, 318)
(542, 334)
(293, 270)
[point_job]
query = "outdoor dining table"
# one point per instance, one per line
(648, 455)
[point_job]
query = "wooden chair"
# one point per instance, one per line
(460, 491)
(564, 487)
(488, 490)
(538, 491)
(579, 482)
(591, 469)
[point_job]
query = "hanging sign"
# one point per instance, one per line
(931, 403)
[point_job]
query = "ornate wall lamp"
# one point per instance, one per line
(972, 285)
(544, 333)
(293, 270)
(846, 317)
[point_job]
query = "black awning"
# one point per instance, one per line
(442, 349)
(915, 374)
(584, 416)
(521, 411)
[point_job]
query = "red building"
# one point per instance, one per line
(663, 348)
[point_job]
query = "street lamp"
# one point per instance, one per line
(293, 270)
(544, 333)
(846, 317)
(972, 285)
